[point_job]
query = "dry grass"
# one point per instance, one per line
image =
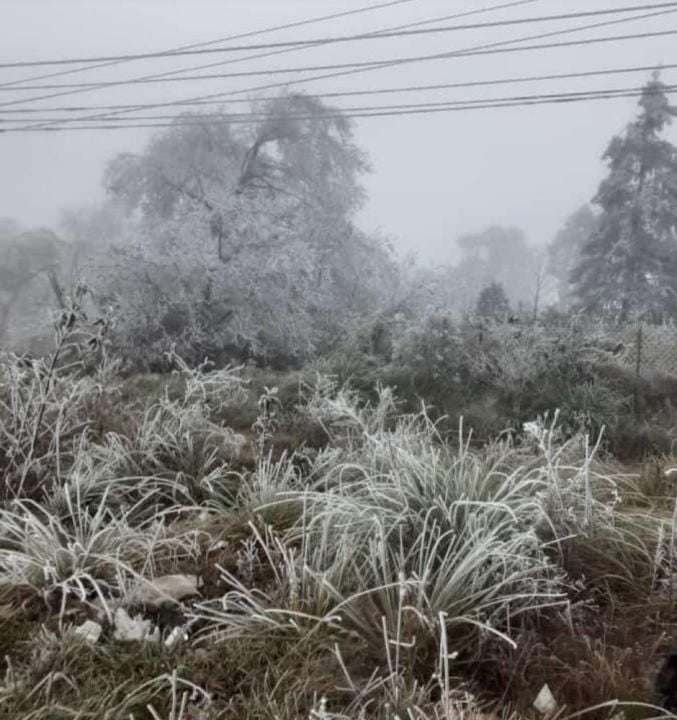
(382, 574)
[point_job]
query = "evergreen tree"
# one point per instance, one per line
(564, 252)
(493, 302)
(628, 266)
(496, 254)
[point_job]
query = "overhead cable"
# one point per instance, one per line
(355, 93)
(343, 38)
(363, 112)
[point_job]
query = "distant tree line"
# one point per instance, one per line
(617, 262)
(240, 241)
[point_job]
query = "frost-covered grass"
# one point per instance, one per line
(386, 573)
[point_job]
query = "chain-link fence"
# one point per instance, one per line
(646, 349)
(522, 353)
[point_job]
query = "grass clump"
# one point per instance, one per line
(389, 568)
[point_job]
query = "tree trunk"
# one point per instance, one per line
(626, 304)
(57, 289)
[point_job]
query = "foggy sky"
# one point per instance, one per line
(435, 177)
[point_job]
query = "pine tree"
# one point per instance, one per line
(493, 302)
(628, 267)
(564, 252)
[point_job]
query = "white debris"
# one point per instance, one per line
(89, 630)
(172, 588)
(181, 632)
(545, 702)
(137, 628)
(177, 634)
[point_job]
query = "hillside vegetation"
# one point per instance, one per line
(323, 552)
(269, 469)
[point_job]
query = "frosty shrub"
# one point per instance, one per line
(433, 349)
(47, 403)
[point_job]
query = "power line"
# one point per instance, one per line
(344, 38)
(240, 36)
(477, 49)
(487, 50)
(441, 56)
(374, 66)
(200, 118)
(355, 93)
(256, 56)
(513, 3)
(371, 112)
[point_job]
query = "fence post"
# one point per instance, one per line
(638, 366)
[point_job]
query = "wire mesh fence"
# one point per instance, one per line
(646, 349)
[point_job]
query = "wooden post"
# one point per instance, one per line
(638, 367)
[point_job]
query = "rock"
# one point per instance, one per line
(129, 629)
(168, 588)
(89, 631)
(545, 702)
